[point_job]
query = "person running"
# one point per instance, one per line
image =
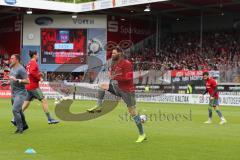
(18, 78)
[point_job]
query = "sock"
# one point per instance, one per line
(48, 116)
(137, 120)
(101, 94)
(23, 119)
(219, 113)
(209, 113)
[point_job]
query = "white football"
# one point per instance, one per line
(143, 118)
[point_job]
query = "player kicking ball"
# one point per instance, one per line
(33, 90)
(121, 71)
(211, 88)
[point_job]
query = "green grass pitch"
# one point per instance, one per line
(112, 137)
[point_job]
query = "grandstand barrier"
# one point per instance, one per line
(86, 91)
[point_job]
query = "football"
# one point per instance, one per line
(143, 118)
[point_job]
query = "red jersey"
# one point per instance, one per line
(122, 72)
(33, 75)
(211, 85)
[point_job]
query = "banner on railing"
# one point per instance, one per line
(54, 90)
(188, 99)
(191, 75)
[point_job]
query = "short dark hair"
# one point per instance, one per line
(118, 49)
(17, 56)
(205, 74)
(32, 53)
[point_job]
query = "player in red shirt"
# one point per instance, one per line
(33, 90)
(211, 88)
(121, 85)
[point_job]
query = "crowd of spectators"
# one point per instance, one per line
(4, 66)
(61, 76)
(183, 51)
(70, 77)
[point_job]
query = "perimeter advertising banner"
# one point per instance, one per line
(50, 92)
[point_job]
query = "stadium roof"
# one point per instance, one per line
(72, 7)
(179, 8)
(169, 8)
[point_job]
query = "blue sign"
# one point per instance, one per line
(64, 36)
(11, 2)
(63, 46)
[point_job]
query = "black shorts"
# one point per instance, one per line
(128, 97)
(34, 94)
